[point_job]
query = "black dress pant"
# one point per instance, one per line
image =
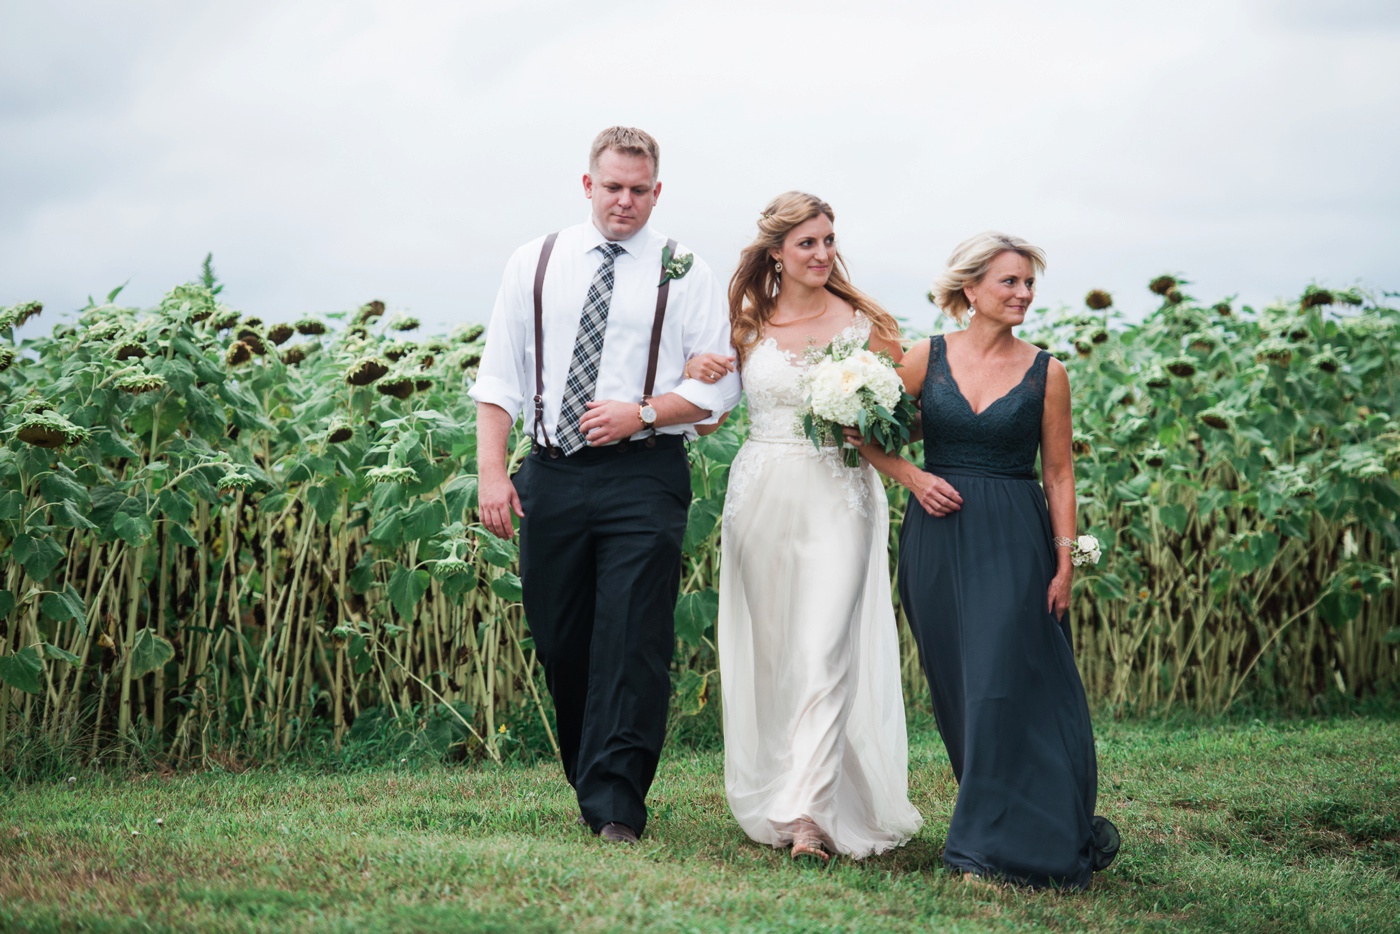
(600, 561)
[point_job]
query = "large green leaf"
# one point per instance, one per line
(460, 497)
(23, 670)
(406, 588)
(7, 603)
(65, 604)
(175, 504)
(498, 551)
(61, 485)
(54, 654)
(324, 500)
(149, 652)
(695, 614)
(11, 505)
(507, 587)
(424, 520)
(704, 515)
(134, 530)
(39, 554)
(692, 691)
(181, 535)
(65, 514)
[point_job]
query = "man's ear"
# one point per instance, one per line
(588, 185)
(656, 192)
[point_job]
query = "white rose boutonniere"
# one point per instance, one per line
(674, 266)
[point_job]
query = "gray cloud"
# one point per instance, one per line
(332, 152)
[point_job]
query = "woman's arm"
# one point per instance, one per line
(892, 347)
(936, 495)
(1057, 476)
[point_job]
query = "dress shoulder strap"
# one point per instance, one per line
(1039, 366)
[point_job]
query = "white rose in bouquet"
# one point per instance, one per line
(849, 385)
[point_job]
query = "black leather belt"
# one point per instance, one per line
(656, 442)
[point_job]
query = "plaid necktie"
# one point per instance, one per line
(588, 350)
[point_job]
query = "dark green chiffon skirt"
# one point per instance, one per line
(1006, 693)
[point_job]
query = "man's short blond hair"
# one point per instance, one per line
(627, 140)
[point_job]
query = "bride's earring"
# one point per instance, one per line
(778, 267)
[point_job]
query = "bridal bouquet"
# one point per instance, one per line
(848, 384)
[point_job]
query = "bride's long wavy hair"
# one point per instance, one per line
(753, 290)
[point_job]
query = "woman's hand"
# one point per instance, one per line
(1057, 597)
(935, 494)
(708, 367)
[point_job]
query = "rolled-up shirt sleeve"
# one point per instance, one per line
(706, 330)
(501, 379)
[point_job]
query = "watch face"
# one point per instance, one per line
(648, 414)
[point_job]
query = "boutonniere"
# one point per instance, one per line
(674, 266)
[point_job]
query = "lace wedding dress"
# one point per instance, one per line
(809, 658)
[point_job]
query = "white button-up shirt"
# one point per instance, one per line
(697, 321)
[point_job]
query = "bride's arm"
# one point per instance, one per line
(935, 494)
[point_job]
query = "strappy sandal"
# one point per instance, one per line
(807, 844)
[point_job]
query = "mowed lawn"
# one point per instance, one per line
(1289, 825)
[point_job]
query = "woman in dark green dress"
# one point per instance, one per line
(984, 575)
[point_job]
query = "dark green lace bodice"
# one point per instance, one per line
(1002, 440)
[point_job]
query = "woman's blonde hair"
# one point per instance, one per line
(754, 288)
(970, 262)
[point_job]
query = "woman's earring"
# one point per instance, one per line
(778, 267)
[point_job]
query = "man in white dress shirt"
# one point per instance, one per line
(603, 497)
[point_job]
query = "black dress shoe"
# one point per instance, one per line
(618, 833)
(581, 821)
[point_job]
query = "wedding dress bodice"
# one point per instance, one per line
(772, 380)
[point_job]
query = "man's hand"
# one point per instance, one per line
(496, 500)
(608, 420)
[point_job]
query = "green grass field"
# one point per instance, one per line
(1242, 826)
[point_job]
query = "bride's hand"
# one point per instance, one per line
(1057, 597)
(935, 494)
(708, 367)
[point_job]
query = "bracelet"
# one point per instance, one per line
(1064, 543)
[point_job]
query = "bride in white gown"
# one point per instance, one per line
(815, 750)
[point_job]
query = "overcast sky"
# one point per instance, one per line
(332, 152)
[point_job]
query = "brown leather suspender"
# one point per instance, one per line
(663, 292)
(545, 250)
